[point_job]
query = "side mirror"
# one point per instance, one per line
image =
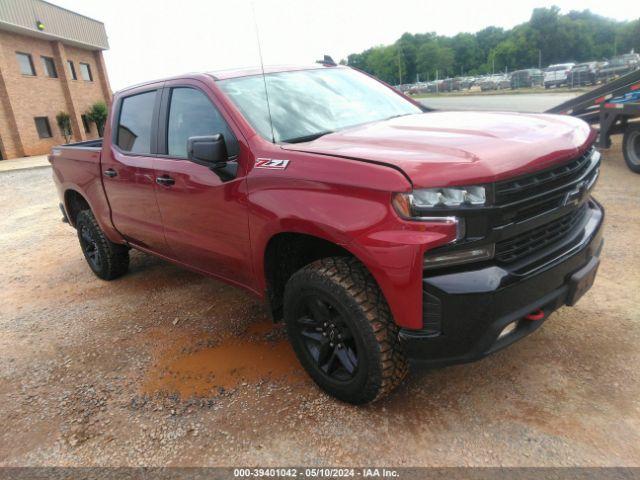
(209, 150)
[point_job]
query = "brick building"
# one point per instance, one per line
(50, 61)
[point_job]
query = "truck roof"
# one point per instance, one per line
(235, 73)
(257, 70)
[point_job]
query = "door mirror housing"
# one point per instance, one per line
(208, 150)
(211, 151)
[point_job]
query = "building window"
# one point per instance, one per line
(86, 124)
(72, 70)
(85, 70)
(26, 64)
(43, 127)
(49, 67)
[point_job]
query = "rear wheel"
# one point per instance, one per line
(631, 147)
(106, 259)
(342, 330)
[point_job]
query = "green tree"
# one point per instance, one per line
(549, 35)
(434, 57)
(98, 115)
(64, 123)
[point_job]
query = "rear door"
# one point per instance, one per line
(205, 218)
(128, 173)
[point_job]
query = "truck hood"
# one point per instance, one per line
(459, 148)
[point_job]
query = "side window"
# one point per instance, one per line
(192, 114)
(134, 126)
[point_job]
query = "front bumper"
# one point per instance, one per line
(475, 306)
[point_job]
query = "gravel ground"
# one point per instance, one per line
(164, 367)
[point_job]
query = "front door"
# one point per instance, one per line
(128, 175)
(205, 218)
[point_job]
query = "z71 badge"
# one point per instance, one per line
(271, 163)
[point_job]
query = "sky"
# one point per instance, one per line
(151, 39)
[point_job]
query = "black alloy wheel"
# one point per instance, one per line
(327, 338)
(89, 246)
(342, 330)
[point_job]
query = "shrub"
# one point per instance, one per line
(64, 122)
(98, 115)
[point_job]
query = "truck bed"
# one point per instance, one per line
(96, 143)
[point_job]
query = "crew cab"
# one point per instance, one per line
(380, 232)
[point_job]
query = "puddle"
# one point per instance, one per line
(203, 372)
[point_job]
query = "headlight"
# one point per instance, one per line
(413, 205)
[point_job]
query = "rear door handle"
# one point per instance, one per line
(165, 180)
(110, 173)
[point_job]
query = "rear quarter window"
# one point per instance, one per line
(135, 123)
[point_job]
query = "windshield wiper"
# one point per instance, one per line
(308, 138)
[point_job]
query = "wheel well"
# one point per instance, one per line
(74, 203)
(286, 253)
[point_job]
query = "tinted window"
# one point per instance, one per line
(26, 64)
(134, 127)
(85, 71)
(191, 114)
(72, 70)
(43, 127)
(49, 67)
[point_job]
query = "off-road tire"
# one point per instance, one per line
(631, 147)
(113, 258)
(347, 283)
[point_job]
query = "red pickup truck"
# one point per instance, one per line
(379, 231)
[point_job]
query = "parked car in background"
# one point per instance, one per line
(557, 75)
(495, 82)
(418, 88)
(527, 78)
(449, 85)
(632, 59)
(466, 82)
(583, 74)
(620, 65)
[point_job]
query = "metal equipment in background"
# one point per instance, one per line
(615, 107)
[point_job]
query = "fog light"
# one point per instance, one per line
(510, 328)
(457, 257)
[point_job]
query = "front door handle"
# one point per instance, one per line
(165, 180)
(110, 173)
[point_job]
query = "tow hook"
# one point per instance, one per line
(535, 315)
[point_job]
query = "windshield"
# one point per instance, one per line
(308, 103)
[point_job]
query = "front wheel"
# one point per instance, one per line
(631, 147)
(106, 259)
(342, 330)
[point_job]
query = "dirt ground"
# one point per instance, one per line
(165, 367)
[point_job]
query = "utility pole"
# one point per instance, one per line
(399, 65)
(493, 65)
(539, 58)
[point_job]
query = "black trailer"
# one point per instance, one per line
(615, 107)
